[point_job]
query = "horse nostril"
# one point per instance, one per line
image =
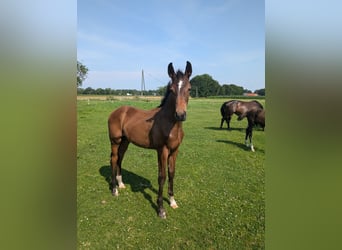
(181, 117)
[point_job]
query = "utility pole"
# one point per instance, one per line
(142, 83)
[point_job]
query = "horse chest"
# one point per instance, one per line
(175, 138)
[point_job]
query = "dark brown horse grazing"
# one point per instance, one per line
(240, 108)
(254, 118)
(159, 128)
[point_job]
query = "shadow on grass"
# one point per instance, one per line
(136, 182)
(241, 145)
(237, 144)
(226, 129)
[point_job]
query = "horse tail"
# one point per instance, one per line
(260, 118)
(262, 107)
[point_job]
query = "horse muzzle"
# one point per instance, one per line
(180, 116)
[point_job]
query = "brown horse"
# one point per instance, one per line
(254, 118)
(240, 108)
(159, 129)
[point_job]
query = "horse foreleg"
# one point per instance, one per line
(250, 139)
(171, 174)
(162, 161)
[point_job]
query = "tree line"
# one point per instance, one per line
(109, 91)
(205, 86)
(202, 86)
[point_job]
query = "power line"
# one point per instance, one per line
(155, 78)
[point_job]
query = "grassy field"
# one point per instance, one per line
(219, 185)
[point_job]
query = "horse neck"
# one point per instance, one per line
(169, 108)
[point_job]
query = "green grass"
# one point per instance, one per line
(219, 185)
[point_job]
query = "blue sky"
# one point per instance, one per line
(116, 40)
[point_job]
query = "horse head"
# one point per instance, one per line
(180, 87)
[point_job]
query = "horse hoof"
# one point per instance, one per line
(174, 206)
(121, 185)
(173, 203)
(162, 214)
(115, 192)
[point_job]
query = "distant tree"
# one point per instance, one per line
(82, 72)
(100, 91)
(89, 91)
(237, 90)
(261, 92)
(232, 89)
(80, 91)
(161, 90)
(204, 85)
(108, 91)
(226, 89)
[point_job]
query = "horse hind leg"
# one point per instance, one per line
(113, 163)
(250, 139)
(228, 121)
(249, 133)
(121, 152)
(119, 147)
(222, 120)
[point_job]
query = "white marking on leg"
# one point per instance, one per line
(252, 148)
(120, 183)
(162, 214)
(116, 192)
(173, 203)
(246, 142)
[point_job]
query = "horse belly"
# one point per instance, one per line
(137, 131)
(140, 141)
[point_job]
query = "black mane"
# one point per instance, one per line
(179, 74)
(168, 91)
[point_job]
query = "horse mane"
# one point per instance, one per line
(179, 75)
(167, 93)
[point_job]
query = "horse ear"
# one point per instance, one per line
(171, 71)
(188, 69)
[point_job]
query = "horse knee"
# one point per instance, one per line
(161, 179)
